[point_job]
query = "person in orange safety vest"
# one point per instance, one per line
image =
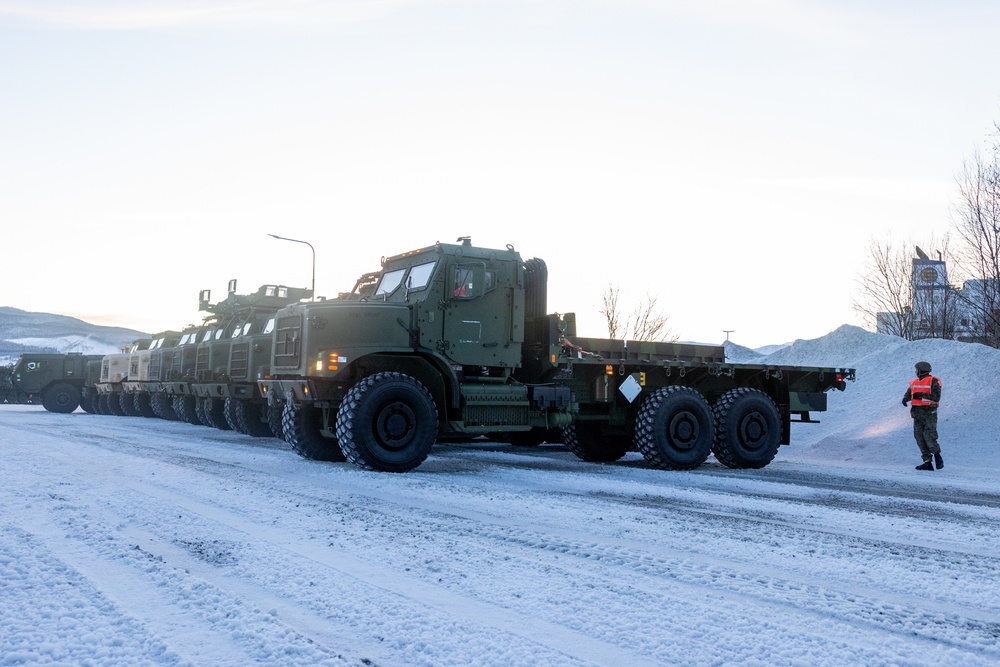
(925, 394)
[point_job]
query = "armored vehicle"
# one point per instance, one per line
(61, 380)
(143, 381)
(455, 340)
(115, 368)
(227, 365)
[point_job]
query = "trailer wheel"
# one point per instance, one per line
(387, 422)
(747, 429)
(248, 418)
(61, 397)
(274, 419)
(674, 428)
(302, 427)
(590, 443)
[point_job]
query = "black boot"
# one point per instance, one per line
(938, 461)
(926, 465)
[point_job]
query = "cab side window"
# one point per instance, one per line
(464, 284)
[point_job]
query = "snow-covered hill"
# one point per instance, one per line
(22, 331)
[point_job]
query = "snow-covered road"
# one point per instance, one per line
(138, 541)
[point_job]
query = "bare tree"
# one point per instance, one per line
(647, 321)
(885, 288)
(609, 309)
(977, 225)
(894, 297)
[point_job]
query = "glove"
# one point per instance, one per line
(919, 395)
(905, 402)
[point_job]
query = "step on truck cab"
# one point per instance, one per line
(455, 341)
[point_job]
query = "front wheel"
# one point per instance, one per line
(303, 429)
(387, 422)
(213, 412)
(247, 417)
(747, 429)
(61, 397)
(674, 428)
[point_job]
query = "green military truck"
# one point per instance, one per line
(63, 381)
(454, 340)
(228, 363)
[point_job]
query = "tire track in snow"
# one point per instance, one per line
(902, 612)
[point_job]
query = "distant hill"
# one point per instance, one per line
(22, 331)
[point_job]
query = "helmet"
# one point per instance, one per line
(923, 367)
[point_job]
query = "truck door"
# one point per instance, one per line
(477, 326)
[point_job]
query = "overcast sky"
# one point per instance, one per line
(731, 158)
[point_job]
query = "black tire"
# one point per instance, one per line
(127, 403)
(61, 397)
(186, 407)
(87, 403)
(101, 404)
(115, 404)
(213, 413)
(143, 404)
(248, 418)
(163, 407)
(303, 431)
(747, 429)
(675, 428)
(229, 410)
(590, 442)
(274, 419)
(387, 422)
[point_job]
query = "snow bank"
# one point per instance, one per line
(867, 423)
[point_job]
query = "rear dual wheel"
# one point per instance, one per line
(747, 429)
(674, 428)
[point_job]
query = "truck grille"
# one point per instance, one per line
(239, 360)
(288, 341)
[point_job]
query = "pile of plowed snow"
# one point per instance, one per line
(867, 423)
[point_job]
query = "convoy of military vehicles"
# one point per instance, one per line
(447, 342)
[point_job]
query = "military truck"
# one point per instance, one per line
(140, 387)
(61, 380)
(453, 340)
(115, 369)
(228, 363)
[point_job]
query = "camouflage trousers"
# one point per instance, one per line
(925, 431)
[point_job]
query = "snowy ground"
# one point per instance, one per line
(130, 541)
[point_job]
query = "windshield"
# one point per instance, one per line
(420, 275)
(390, 281)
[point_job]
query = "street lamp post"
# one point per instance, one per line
(313, 295)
